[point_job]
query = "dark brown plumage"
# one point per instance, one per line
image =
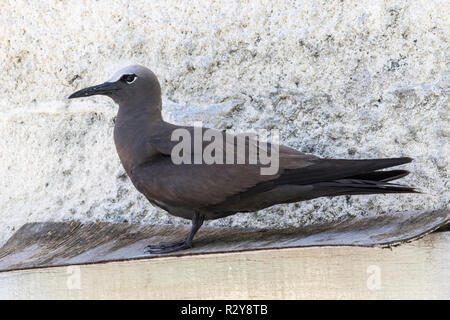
(209, 191)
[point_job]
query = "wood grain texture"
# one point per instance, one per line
(417, 270)
(56, 244)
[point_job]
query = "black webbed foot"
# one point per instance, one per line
(166, 247)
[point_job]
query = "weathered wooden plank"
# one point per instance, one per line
(417, 270)
(56, 244)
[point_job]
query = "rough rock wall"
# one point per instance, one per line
(345, 79)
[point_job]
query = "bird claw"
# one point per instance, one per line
(162, 245)
(166, 247)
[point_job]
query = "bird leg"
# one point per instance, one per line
(166, 247)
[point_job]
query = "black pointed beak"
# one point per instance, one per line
(104, 88)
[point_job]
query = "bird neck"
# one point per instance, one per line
(139, 114)
(132, 132)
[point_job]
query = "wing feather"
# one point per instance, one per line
(200, 185)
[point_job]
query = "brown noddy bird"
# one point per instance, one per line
(204, 191)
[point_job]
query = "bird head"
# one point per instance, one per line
(131, 85)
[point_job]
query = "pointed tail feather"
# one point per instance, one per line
(358, 186)
(384, 176)
(333, 169)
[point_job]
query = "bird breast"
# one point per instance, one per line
(132, 146)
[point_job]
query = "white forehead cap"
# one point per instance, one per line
(135, 69)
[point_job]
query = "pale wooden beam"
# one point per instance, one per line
(417, 270)
(69, 243)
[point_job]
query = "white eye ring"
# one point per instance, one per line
(130, 82)
(125, 78)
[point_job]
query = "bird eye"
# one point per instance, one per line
(129, 78)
